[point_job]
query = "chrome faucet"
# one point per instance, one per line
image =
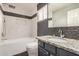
(60, 33)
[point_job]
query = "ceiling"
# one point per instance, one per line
(28, 8)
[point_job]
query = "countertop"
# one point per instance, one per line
(71, 45)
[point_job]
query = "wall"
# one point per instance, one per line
(34, 27)
(42, 28)
(1, 24)
(69, 32)
(17, 27)
(42, 24)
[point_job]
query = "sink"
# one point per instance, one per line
(59, 40)
(55, 39)
(48, 37)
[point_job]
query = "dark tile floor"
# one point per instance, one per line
(22, 54)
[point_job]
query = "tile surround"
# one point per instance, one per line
(69, 32)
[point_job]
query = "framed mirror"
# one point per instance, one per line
(63, 14)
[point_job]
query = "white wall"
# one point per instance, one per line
(17, 27)
(34, 27)
(1, 24)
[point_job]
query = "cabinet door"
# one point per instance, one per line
(50, 48)
(61, 52)
(42, 51)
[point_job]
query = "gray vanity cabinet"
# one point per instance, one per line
(45, 49)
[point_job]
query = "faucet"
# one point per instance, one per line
(60, 33)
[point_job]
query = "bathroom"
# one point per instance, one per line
(39, 29)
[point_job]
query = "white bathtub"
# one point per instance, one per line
(15, 46)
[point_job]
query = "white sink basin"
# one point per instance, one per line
(48, 37)
(57, 40)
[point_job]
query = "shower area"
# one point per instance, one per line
(16, 35)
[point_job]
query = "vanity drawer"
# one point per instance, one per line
(50, 48)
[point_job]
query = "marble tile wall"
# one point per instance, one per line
(69, 32)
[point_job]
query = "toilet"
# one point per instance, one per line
(32, 49)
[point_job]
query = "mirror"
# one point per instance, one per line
(63, 14)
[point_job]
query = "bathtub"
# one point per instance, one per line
(15, 46)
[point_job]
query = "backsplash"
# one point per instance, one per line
(69, 32)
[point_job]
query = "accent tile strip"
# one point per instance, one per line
(18, 15)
